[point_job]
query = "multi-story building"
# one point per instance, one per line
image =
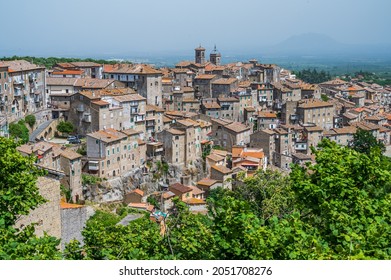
(143, 78)
(61, 90)
(265, 140)
(229, 108)
(228, 133)
(113, 153)
(153, 120)
(96, 110)
(23, 91)
(133, 108)
(266, 119)
(203, 85)
(317, 112)
(211, 108)
(174, 145)
(224, 86)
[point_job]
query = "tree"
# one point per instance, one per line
(19, 131)
(18, 195)
(105, 239)
(30, 120)
(65, 127)
(268, 193)
(346, 197)
(365, 142)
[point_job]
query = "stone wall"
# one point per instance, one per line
(73, 220)
(47, 216)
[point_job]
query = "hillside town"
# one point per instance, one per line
(144, 135)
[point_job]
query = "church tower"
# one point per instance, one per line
(200, 55)
(215, 57)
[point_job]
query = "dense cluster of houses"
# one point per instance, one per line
(233, 118)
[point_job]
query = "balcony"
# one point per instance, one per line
(93, 165)
(139, 119)
(17, 92)
(294, 117)
(301, 146)
(150, 123)
(87, 118)
(80, 108)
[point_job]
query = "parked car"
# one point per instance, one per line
(73, 140)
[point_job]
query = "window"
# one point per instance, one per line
(108, 152)
(97, 141)
(124, 147)
(103, 163)
(113, 151)
(118, 159)
(108, 163)
(117, 149)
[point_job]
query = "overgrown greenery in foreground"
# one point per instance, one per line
(338, 208)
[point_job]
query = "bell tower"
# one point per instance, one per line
(200, 55)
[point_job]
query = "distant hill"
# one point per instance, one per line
(314, 44)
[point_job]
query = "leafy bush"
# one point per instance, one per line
(19, 131)
(30, 120)
(65, 127)
(90, 179)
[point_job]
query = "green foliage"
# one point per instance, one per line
(188, 235)
(18, 195)
(313, 76)
(104, 239)
(18, 177)
(153, 201)
(206, 151)
(30, 120)
(268, 193)
(324, 97)
(66, 193)
(365, 142)
(82, 150)
(162, 169)
(346, 197)
(19, 131)
(382, 79)
(88, 179)
(337, 208)
(65, 127)
(24, 245)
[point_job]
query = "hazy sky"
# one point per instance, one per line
(110, 27)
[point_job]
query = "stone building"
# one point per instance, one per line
(113, 153)
(316, 112)
(200, 55)
(203, 85)
(141, 77)
(224, 86)
(22, 91)
(229, 108)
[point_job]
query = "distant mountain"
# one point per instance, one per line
(314, 44)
